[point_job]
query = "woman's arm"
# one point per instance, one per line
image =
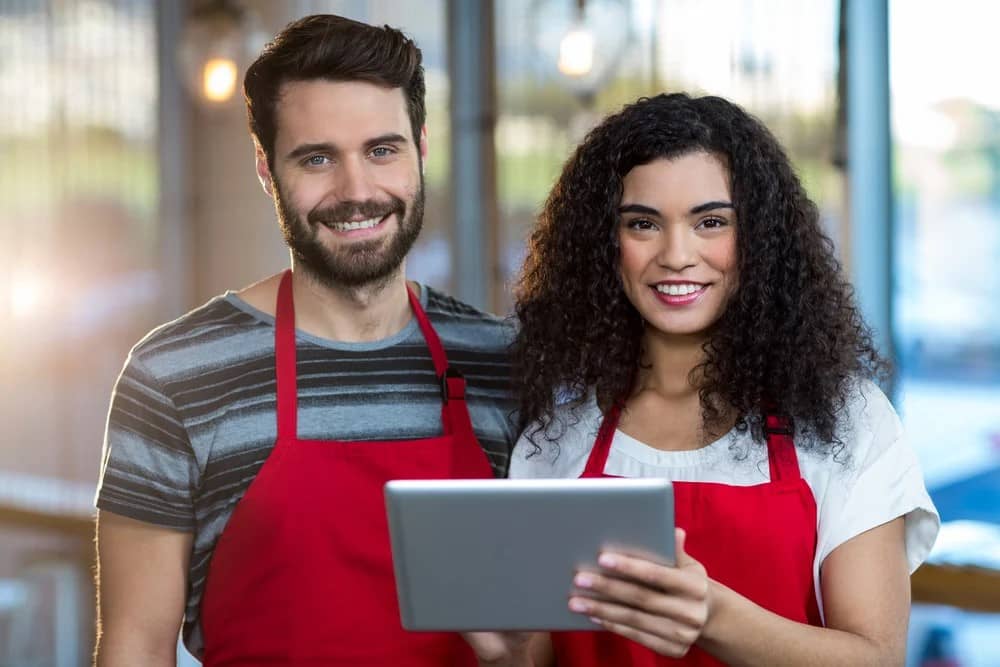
(866, 596)
(866, 602)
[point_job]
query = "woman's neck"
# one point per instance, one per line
(665, 410)
(668, 363)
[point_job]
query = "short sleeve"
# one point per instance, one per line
(148, 469)
(885, 482)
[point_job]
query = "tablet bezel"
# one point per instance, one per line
(456, 559)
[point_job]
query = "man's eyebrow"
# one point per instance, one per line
(390, 138)
(638, 208)
(305, 149)
(711, 206)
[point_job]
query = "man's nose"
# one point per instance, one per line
(354, 181)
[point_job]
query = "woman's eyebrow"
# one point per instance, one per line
(710, 206)
(638, 208)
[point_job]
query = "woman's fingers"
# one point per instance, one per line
(650, 640)
(662, 634)
(680, 547)
(687, 580)
(660, 606)
(658, 601)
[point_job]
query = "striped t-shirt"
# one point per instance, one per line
(192, 417)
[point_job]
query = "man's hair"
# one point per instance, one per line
(332, 48)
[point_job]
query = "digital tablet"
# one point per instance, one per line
(501, 554)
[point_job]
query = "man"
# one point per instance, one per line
(248, 441)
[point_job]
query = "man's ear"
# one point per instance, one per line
(423, 146)
(264, 172)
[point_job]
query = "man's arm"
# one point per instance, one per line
(142, 574)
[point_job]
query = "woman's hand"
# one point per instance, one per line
(662, 607)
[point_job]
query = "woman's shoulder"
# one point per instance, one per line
(866, 402)
(868, 430)
(874, 477)
(558, 447)
(869, 426)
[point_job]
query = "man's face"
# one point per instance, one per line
(348, 179)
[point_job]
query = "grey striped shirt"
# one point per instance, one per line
(192, 417)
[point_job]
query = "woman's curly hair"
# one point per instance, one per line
(791, 337)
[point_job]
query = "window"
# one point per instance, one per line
(79, 278)
(946, 136)
(776, 58)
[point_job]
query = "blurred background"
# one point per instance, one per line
(128, 196)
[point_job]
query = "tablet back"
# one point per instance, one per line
(501, 554)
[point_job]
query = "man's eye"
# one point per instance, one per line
(382, 151)
(316, 160)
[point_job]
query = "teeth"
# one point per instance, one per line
(679, 290)
(351, 226)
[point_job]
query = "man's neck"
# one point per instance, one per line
(350, 314)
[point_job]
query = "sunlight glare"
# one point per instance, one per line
(26, 296)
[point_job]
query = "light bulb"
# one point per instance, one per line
(576, 52)
(218, 79)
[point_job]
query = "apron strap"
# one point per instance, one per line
(454, 411)
(284, 359)
(433, 342)
(602, 445)
(782, 459)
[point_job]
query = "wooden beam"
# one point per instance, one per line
(966, 587)
(76, 526)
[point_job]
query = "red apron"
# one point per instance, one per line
(758, 540)
(302, 573)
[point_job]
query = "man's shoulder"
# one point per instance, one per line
(453, 316)
(440, 303)
(220, 323)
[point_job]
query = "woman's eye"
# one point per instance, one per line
(713, 223)
(640, 223)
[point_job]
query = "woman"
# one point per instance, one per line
(683, 316)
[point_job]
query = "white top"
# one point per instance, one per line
(874, 479)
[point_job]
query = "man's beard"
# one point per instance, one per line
(370, 263)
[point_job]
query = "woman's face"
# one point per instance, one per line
(677, 233)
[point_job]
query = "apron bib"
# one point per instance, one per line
(302, 573)
(758, 540)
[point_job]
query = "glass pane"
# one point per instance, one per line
(79, 278)
(776, 58)
(78, 225)
(946, 129)
(946, 134)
